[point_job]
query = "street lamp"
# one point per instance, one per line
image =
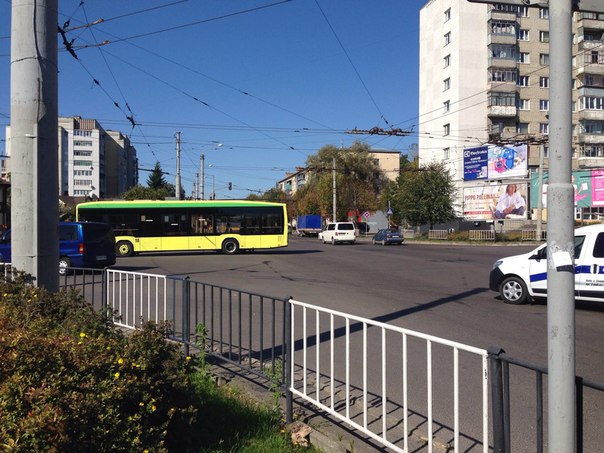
(202, 185)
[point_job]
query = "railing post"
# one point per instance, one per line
(104, 291)
(288, 358)
(579, 412)
(497, 405)
(186, 314)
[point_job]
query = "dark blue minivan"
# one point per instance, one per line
(81, 244)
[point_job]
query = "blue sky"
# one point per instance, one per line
(257, 86)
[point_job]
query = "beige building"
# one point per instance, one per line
(484, 78)
(93, 162)
(388, 161)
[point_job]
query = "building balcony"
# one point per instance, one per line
(590, 162)
(501, 39)
(592, 24)
(502, 111)
(593, 115)
(504, 63)
(591, 139)
(591, 91)
(589, 45)
(503, 86)
(588, 63)
(508, 16)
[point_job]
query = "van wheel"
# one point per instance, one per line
(513, 291)
(124, 248)
(333, 241)
(64, 264)
(230, 246)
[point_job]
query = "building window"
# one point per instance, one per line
(448, 15)
(82, 163)
(503, 28)
(546, 151)
(591, 103)
(501, 51)
(82, 182)
(522, 128)
(503, 75)
(504, 99)
(544, 128)
(543, 82)
(82, 133)
(523, 11)
(522, 35)
(447, 61)
(446, 153)
(446, 129)
(447, 38)
(591, 151)
(524, 57)
(544, 105)
(543, 13)
(79, 152)
(82, 143)
(593, 127)
(544, 36)
(524, 104)
(446, 106)
(446, 84)
(523, 81)
(544, 58)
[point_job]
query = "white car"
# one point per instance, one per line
(338, 232)
(521, 278)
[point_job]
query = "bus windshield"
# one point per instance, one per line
(164, 225)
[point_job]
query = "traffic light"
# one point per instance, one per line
(230, 186)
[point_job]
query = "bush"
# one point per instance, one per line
(70, 382)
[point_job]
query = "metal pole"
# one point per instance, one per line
(540, 199)
(560, 232)
(178, 165)
(202, 170)
(33, 134)
(335, 211)
(496, 387)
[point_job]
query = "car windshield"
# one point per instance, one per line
(346, 226)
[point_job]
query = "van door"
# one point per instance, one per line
(589, 269)
(538, 272)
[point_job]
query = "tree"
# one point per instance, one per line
(144, 193)
(425, 195)
(156, 179)
(358, 181)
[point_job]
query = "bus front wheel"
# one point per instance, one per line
(124, 248)
(230, 246)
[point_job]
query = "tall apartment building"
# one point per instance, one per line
(92, 161)
(484, 78)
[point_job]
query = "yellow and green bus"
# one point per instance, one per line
(165, 225)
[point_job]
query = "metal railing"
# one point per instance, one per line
(482, 235)
(408, 233)
(438, 234)
(531, 235)
(346, 362)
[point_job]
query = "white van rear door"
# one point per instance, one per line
(589, 268)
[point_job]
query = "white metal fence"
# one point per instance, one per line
(482, 235)
(438, 234)
(344, 363)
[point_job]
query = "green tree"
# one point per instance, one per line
(425, 195)
(358, 181)
(156, 179)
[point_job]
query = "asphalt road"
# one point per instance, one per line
(441, 290)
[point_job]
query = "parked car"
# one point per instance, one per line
(338, 232)
(81, 244)
(388, 236)
(520, 278)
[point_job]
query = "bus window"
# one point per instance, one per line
(202, 224)
(175, 224)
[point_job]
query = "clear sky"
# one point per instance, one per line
(256, 86)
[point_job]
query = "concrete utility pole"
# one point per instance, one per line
(178, 165)
(560, 236)
(203, 182)
(335, 211)
(34, 126)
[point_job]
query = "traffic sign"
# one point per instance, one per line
(366, 214)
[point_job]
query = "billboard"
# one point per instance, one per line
(495, 162)
(506, 201)
(588, 184)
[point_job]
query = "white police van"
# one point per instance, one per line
(521, 278)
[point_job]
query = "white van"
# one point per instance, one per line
(338, 232)
(523, 277)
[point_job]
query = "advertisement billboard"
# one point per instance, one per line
(506, 201)
(495, 162)
(588, 184)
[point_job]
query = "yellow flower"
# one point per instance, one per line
(153, 408)
(141, 404)
(82, 334)
(188, 357)
(116, 375)
(120, 361)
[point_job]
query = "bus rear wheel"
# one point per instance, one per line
(230, 246)
(124, 248)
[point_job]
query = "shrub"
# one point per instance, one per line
(70, 382)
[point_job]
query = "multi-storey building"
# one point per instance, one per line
(484, 78)
(93, 162)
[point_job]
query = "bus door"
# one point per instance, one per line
(148, 236)
(202, 236)
(175, 232)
